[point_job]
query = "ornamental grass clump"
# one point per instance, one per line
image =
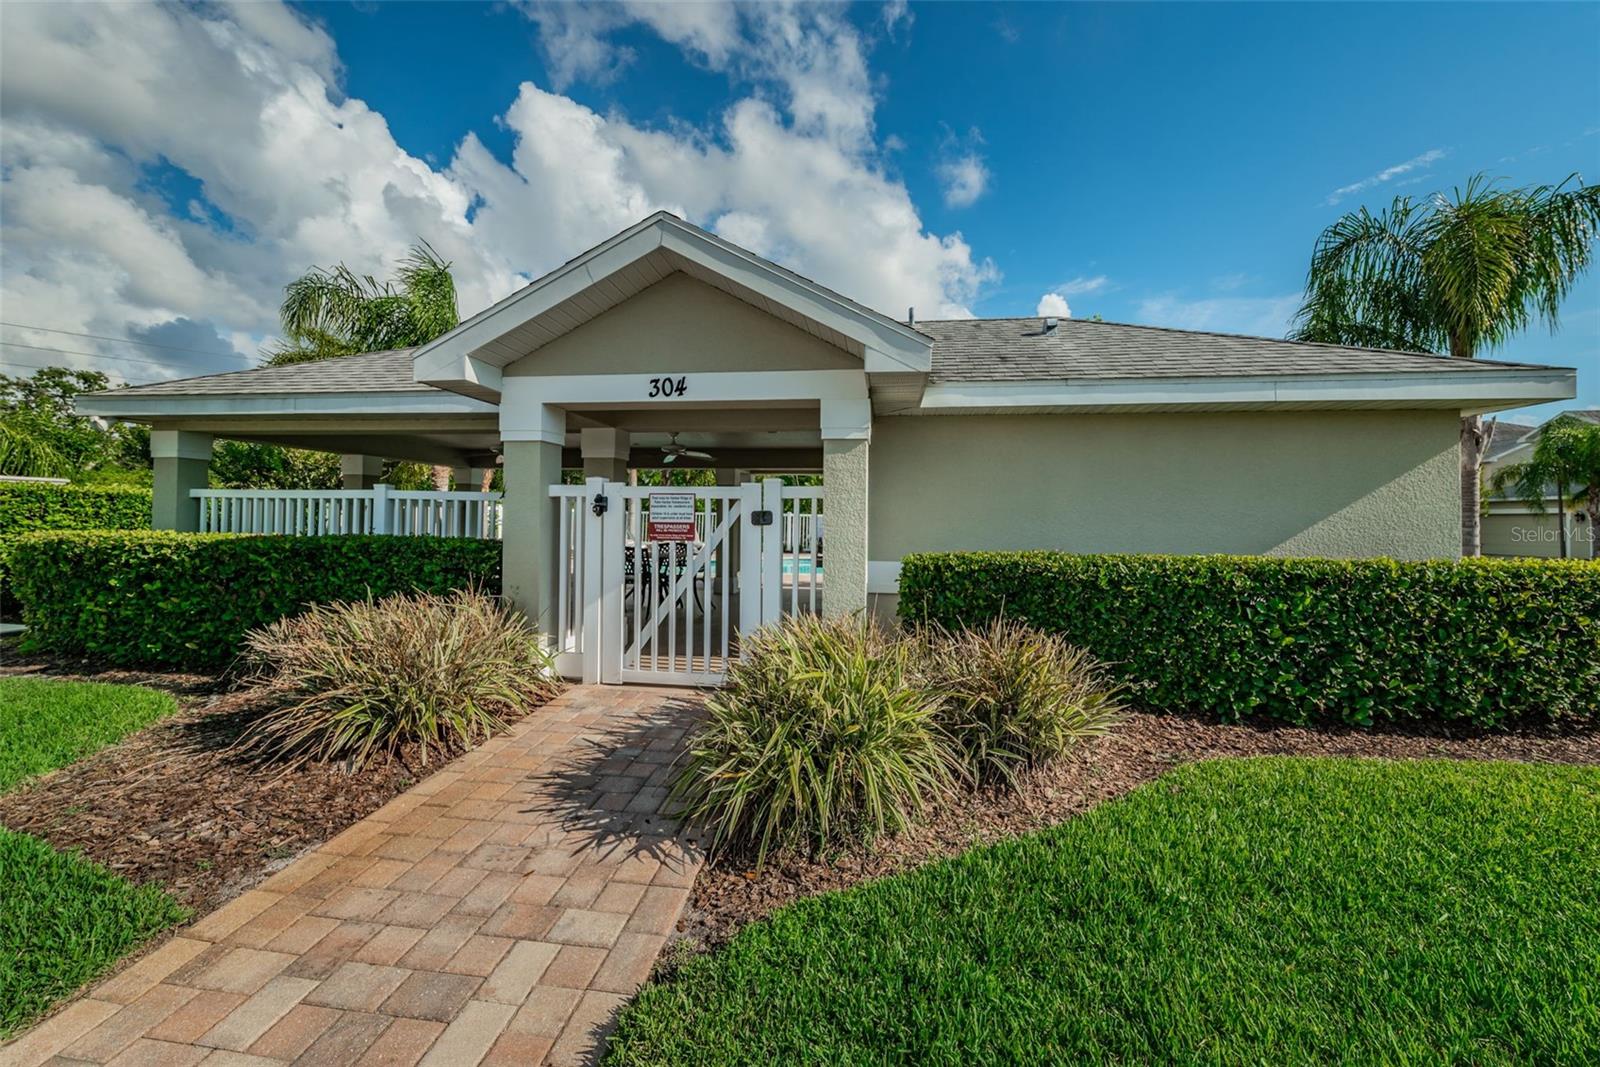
(1013, 697)
(438, 672)
(818, 736)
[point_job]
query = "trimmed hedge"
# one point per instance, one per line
(186, 600)
(1305, 640)
(29, 506)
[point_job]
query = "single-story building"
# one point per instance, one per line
(1517, 527)
(668, 341)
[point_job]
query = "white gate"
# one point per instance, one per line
(632, 607)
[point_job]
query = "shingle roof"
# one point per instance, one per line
(1014, 350)
(964, 350)
(1509, 436)
(388, 371)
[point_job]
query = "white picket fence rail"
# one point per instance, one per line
(324, 512)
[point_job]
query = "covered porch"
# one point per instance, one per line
(662, 349)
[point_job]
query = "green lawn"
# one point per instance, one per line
(47, 724)
(1239, 911)
(63, 919)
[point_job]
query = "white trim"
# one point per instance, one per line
(179, 444)
(403, 403)
(1523, 509)
(846, 411)
(1465, 387)
(458, 360)
(883, 576)
(544, 423)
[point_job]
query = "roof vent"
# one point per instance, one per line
(911, 316)
(1050, 323)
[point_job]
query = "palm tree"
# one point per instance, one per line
(1566, 459)
(25, 452)
(1459, 274)
(335, 312)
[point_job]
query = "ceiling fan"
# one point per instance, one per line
(672, 450)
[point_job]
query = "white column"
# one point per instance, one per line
(182, 461)
(359, 472)
(605, 452)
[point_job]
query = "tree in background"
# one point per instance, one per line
(336, 312)
(331, 312)
(1459, 274)
(1565, 464)
(41, 436)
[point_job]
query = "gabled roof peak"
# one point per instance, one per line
(469, 358)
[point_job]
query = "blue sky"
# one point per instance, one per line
(1169, 164)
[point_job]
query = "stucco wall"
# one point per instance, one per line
(1301, 484)
(680, 325)
(845, 477)
(1534, 535)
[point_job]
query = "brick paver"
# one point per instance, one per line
(499, 912)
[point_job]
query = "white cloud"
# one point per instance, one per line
(1053, 304)
(1267, 316)
(963, 179)
(1083, 285)
(896, 13)
(963, 175)
(289, 172)
(1425, 160)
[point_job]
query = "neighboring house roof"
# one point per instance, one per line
(1022, 349)
(1514, 437)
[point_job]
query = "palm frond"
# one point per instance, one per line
(29, 455)
(1365, 283)
(333, 311)
(1565, 459)
(430, 291)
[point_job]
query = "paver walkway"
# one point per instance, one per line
(500, 912)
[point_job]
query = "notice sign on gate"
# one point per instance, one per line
(671, 517)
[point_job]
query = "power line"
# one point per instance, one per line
(96, 355)
(118, 340)
(113, 375)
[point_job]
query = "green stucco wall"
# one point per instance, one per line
(845, 474)
(1301, 484)
(1534, 535)
(679, 326)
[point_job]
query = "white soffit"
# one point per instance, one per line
(469, 358)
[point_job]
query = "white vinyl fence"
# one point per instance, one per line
(321, 512)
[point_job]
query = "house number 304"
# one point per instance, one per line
(669, 386)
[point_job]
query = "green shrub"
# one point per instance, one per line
(29, 506)
(437, 671)
(817, 736)
(1486, 641)
(1012, 696)
(177, 599)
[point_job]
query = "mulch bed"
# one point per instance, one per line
(173, 805)
(728, 894)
